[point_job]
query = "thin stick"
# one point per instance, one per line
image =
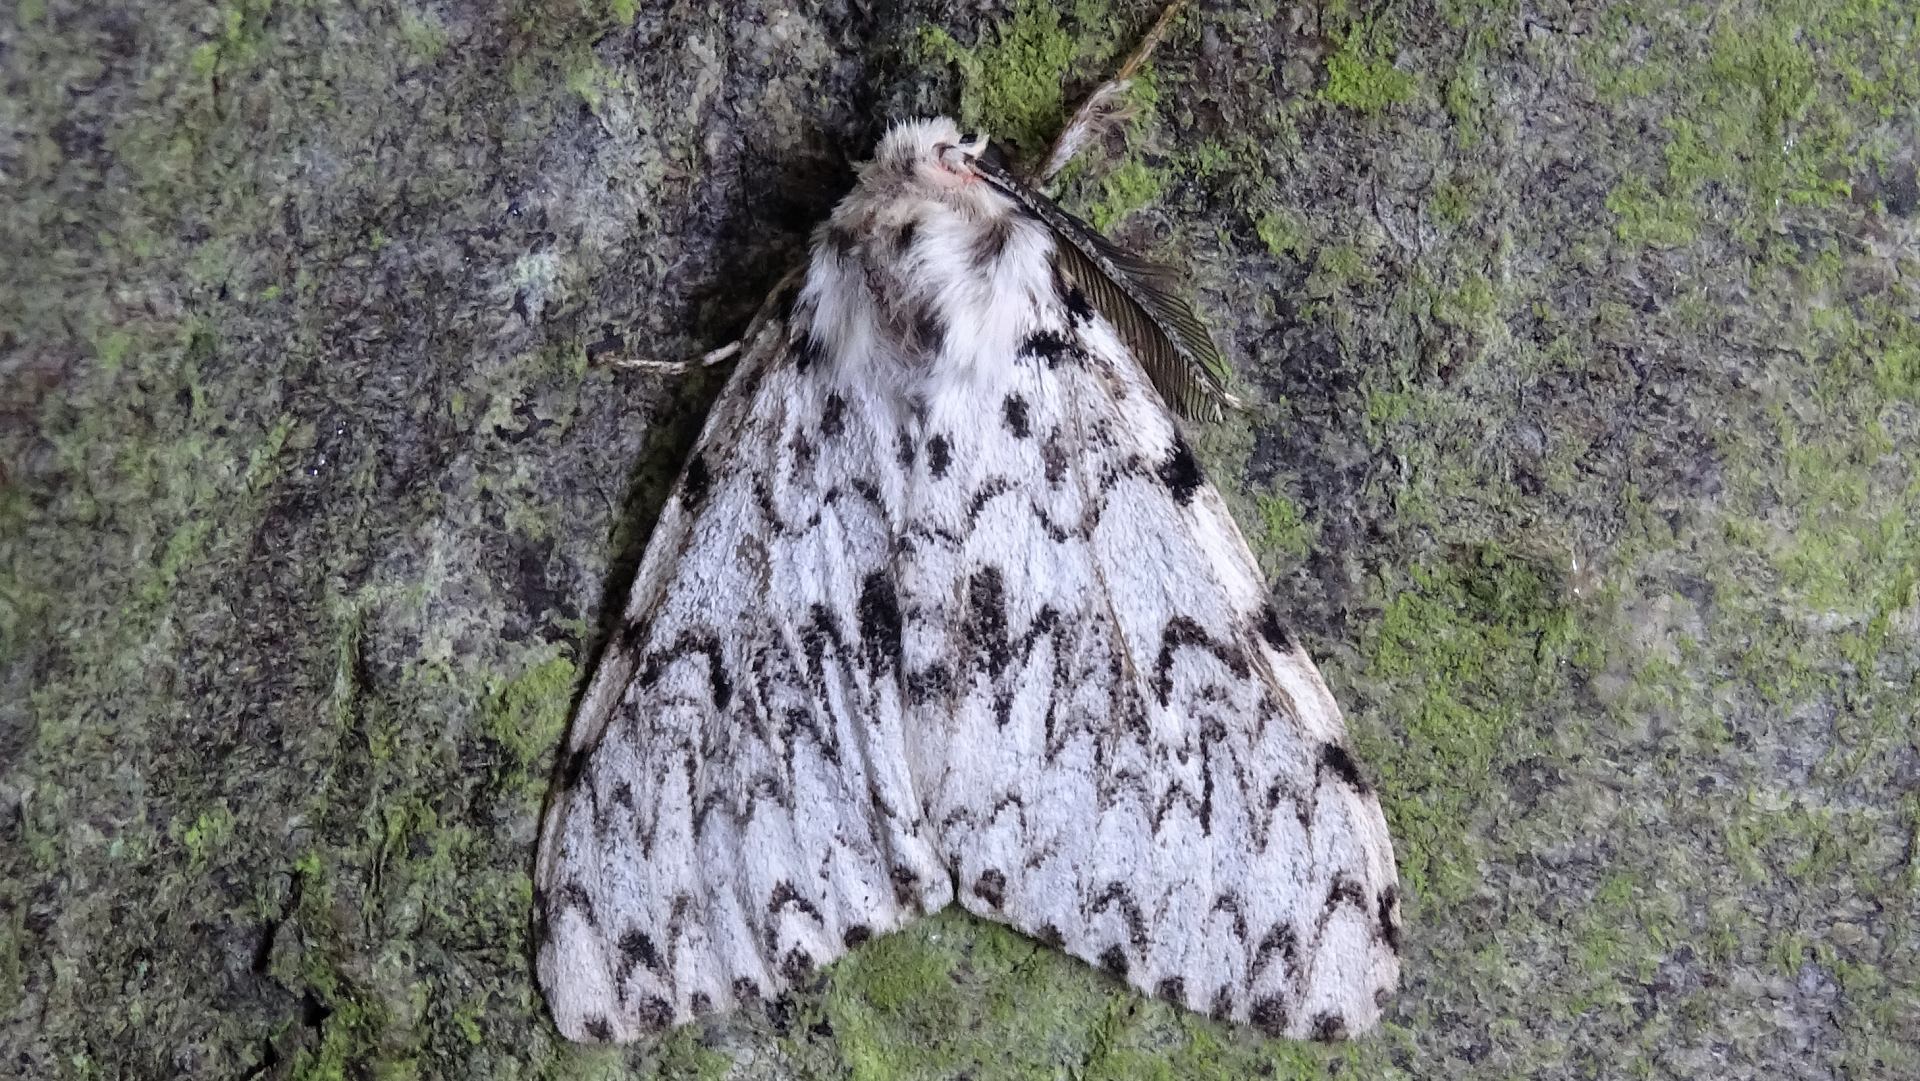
(762, 319)
(1151, 41)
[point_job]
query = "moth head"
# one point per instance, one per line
(931, 153)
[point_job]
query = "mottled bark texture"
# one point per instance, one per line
(1587, 377)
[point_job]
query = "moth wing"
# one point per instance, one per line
(734, 807)
(1140, 764)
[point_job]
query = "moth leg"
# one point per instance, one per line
(1104, 107)
(668, 367)
(767, 319)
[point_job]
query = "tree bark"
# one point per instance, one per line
(1582, 346)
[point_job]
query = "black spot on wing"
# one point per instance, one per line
(622, 796)
(991, 887)
(1180, 472)
(1116, 895)
(1230, 904)
(785, 896)
(985, 494)
(1072, 296)
(1222, 1006)
(1048, 346)
(930, 684)
(1276, 632)
(880, 622)
(745, 990)
(654, 1014)
(637, 949)
(939, 456)
(796, 720)
(1280, 942)
(1345, 891)
(1172, 989)
(1328, 1027)
(1114, 960)
(903, 240)
(906, 882)
(1053, 459)
(1049, 935)
(833, 416)
(803, 453)
(700, 1003)
(904, 449)
(633, 635)
(1269, 1015)
(695, 482)
(986, 627)
(1335, 758)
(597, 1028)
(574, 896)
(542, 917)
(780, 1014)
(856, 935)
(817, 634)
(1015, 411)
(797, 965)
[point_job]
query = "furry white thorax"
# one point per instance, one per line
(926, 279)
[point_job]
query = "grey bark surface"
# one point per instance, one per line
(1587, 384)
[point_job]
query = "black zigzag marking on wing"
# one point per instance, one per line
(688, 643)
(1182, 633)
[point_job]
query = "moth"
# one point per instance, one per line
(942, 608)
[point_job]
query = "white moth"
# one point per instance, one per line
(942, 607)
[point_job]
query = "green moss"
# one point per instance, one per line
(1646, 217)
(1467, 646)
(1010, 83)
(1471, 306)
(1285, 528)
(526, 716)
(1125, 190)
(424, 36)
(1453, 201)
(1339, 268)
(112, 348)
(1465, 99)
(685, 1058)
(263, 460)
(242, 29)
(953, 996)
(1359, 74)
(1284, 233)
(586, 76)
(211, 832)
